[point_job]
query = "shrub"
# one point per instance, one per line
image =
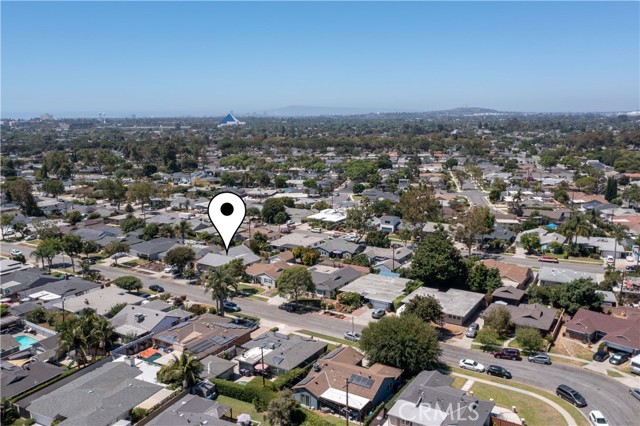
(258, 396)
(274, 330)
(197, 309)
(138, 414)
(351, 299)
(291, 378)
(213, 310)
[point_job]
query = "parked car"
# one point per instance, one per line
(157, 288)
(635, 392)
(316, 230)
(631, 268)
(619, 358)
(548, 259)
(144, 294)
(540, 359)
(600, 356)
(288, 306)
(597, 419)
(229, 306)
(119, 255)
(630, 259)
(496, 370)
(378, 313)
(15, 252)
(170, 269)
(30, 237)
(352, 336)
(508, 353)
(609, 259)
(472, 331)
(472, 365)
(571, 395)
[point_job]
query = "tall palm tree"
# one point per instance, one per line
(100, 333)
(183, 227)
(618, 232)
(38, 253)
(186, 368)
(221, 282)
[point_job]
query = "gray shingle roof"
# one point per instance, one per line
(287, 352)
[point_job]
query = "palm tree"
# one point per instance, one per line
(100, 335)
(73, 338)
(221, 282)
(38, 253)
(618, 232)
(186, 368)
(183, 227)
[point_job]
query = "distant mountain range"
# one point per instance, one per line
(311, 111)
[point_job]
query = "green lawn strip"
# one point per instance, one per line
(250, 288)
(458, 382)
(568, 361)
(573, 411)
(325, 337)
(613, 373)
(258, 298)
(334, 420)
(534, 411)
(240, 407)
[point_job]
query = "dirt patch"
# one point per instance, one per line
(570, 347)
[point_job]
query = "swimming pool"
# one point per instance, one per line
(25, 341)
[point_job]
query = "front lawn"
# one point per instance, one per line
(240, 407)
(329, 338)
(534, 411)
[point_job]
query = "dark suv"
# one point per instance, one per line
(508, 353)
(496, 370)
(571, 395)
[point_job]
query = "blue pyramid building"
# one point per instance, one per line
(229, 120)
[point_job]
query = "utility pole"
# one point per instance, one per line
(347, 402)
(262, 362)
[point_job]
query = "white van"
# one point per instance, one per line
(186, 216)
(635, 364)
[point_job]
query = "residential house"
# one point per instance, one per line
(324, 386)
(214, 367)
(206, 335)
(267, 273)
(508, 294)
(280, 352)
(618, 334)
(296, 239)
(16, 380)
(153, 249)
(329, 217)
(549, 275)
(69, 287)
(430, 400)
(389, 224)
(339, 248)
(500, 232)
(140, 320)
(192, 410)
(378, 290)
(8, 345)
(100, 301)
(458, 305)
(399, 255)
(98, 398)
(511, 275)
(330, 278)
(537, 316)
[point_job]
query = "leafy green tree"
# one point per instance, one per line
(359, 218)
(142, 191)
(89, 247)
(350, 299)
(20, 228)
(530, 242)
(271, 208)
(483, 279)
(116, 247)
(360, 170)
(499, 319)
(115, 309)
(73, 217)
(5, 222)
(150, 231)
(419, 206)
(405, 342)
(8, 413)
(21, 194)
(128, 283)
(321, 205)
(295, 281)
(539, 294)
(72, 247)
(283, 410)
(437, 263)
(378, 239)
(579, 293)
(384, 162)
(632, 194)
(179, 257)
(222, 283)
(488, 338)
(450, 163)
(358, 188)
(131, 223)
(48, 249)
(611, 191)
(495, 195)
(4, 310)
(477, 222)
(259, 243)
(529, 339)
(53, 187)
(72, 338)
(427, 308)
(185, 370)
(361, 260)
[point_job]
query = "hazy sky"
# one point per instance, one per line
(207, 58)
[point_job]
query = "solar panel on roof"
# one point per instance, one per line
(206, 344)
(306, 380)
(365, 382)
(278, 359)
(333, 353)
(220, 340)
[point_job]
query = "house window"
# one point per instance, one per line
(305, 400)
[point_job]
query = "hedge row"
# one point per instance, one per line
(291, 378)
(258, 396)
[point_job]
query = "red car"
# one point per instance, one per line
(548, 259)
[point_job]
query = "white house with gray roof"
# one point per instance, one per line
(98, 398)
(137, 321)
(378, 290)
(282, 353)
(549, 275)
(458, 305)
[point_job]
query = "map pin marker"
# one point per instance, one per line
(226, 212)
